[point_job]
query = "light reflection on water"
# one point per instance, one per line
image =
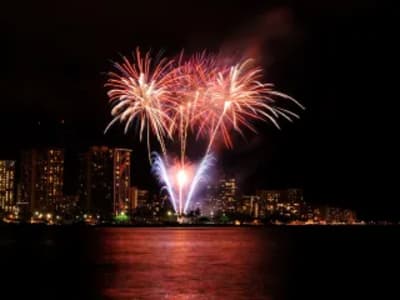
(273, 263)
(188, 263)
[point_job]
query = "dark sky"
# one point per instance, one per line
(332, 56)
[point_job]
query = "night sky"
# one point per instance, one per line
(330, 55)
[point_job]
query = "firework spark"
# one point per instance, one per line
(181, 181)
(194, 76)
(236, 99)
(141, 91)
(160, 170)
(199, 177)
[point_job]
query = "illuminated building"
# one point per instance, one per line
(287, 204)
(140, 201)
(295, 202)
(122, 180)
(143, 198)
(95, 181)
(42, 178)
(228, 193)
(133, 197)
(270, 198)
(7, 188)
(250, 205)
(221, 197)
(67, 207)
(104, 186)
(311, 214)
(336, 215)
(212, 204)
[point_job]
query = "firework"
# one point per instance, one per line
(141, 91)
(203, 95)
(160, 170)
(181, 181)
(236, 98)
(199, 177)
(193, 78)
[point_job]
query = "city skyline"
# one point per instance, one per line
(105, 191)
(207, 149)
(318, 52)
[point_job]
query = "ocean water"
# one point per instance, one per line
(329, 262)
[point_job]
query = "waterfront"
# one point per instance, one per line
(198, 263)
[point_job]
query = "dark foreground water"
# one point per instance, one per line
(199, 263)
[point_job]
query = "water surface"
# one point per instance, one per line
(199, 263)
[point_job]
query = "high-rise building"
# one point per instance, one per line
(228, 193)
(138, 198)
(250, 205)
(336, 215)
(42, 178)
(105, 181)
(133, 196)
(96, 180)
(67, 207)
(296, 202)
(122, 180)
(7, 185)
(143, 198)
(270, 198)
(221, 197)
(211, 203)
(285, 203)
